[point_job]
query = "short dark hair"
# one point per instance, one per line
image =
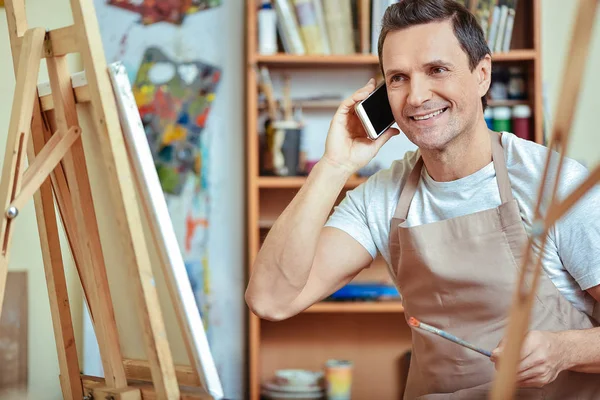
(467, 30)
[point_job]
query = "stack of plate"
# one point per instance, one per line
(294, 384)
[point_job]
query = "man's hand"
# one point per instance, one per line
(347, 144)
(542, 358)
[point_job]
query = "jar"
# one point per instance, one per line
(521, 116)
(502, 122)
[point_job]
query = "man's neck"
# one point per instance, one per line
(466, 154)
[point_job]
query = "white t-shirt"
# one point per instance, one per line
(572, 254)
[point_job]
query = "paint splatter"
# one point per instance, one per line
(174, 100)
(172, 11)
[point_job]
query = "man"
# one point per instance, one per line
(451, 220)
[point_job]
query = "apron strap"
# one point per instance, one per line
(409, 190)
(500, 167)
(412, 182)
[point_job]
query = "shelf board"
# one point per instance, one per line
(515, 55)
(294, 60)
(507, 103)
(325, 104)
(292, 182)
(351, 307)
(283, 59)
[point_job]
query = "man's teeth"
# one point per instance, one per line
(433, 114)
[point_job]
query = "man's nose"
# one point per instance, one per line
(419, 93)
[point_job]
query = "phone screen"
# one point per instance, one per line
(378, 109)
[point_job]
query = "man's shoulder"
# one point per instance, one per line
(533, 156)
(526, 161)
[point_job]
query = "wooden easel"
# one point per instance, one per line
(56, 151)
(505, 382)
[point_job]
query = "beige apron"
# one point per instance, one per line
(459, 275)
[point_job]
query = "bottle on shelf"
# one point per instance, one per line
(267, 28)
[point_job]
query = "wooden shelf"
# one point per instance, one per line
(515, 55)
(275, 182)
(325, 104)
(356, 307)
(507, 103)
(293, 60)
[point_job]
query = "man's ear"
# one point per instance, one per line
(484, 75)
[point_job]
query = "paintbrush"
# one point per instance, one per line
(418, 324)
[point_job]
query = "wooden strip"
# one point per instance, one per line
(16, 18)
(140, 370)
(65, 206)
(44, 163)
(504, 384)
(147, 389)
(58, 42)
(252, 195)
(67, 355)
(82, 95)
(13, 335)
(538, 101)
(18, 134)
(105, 119)
(365, 26)
(87, 226)
(62, 323)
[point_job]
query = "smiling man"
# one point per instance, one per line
(451, 220)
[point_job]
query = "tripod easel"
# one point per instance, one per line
(56, 151)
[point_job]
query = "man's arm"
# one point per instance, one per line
(546, 354)
(583, 346)
(301, 261)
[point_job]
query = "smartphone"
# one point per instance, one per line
(375, 112)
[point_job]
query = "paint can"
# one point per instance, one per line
(338, 379)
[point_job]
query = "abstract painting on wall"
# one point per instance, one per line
(172, 11)
(174, 100)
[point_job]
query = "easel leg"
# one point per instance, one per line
(55, 275)
(18, 134)
(125, 207)
(87, 226)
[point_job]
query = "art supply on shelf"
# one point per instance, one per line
(294, 384)
(517, 84)
(501, 121)
(338, 379)
(521, 115)
(448, 336)
(267, 28)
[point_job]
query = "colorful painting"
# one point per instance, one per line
(174, 100)
(173, 11)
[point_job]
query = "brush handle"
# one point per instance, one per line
(454, 339)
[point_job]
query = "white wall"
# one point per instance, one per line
(557, 23)
(25, 249)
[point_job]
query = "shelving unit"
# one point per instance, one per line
(373, 334)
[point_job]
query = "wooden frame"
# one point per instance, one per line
(58, 172)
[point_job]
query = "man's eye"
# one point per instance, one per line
(397, 78)
(439, 70)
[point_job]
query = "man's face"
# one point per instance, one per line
(432, 91)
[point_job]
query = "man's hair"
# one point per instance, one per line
(407, 13)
